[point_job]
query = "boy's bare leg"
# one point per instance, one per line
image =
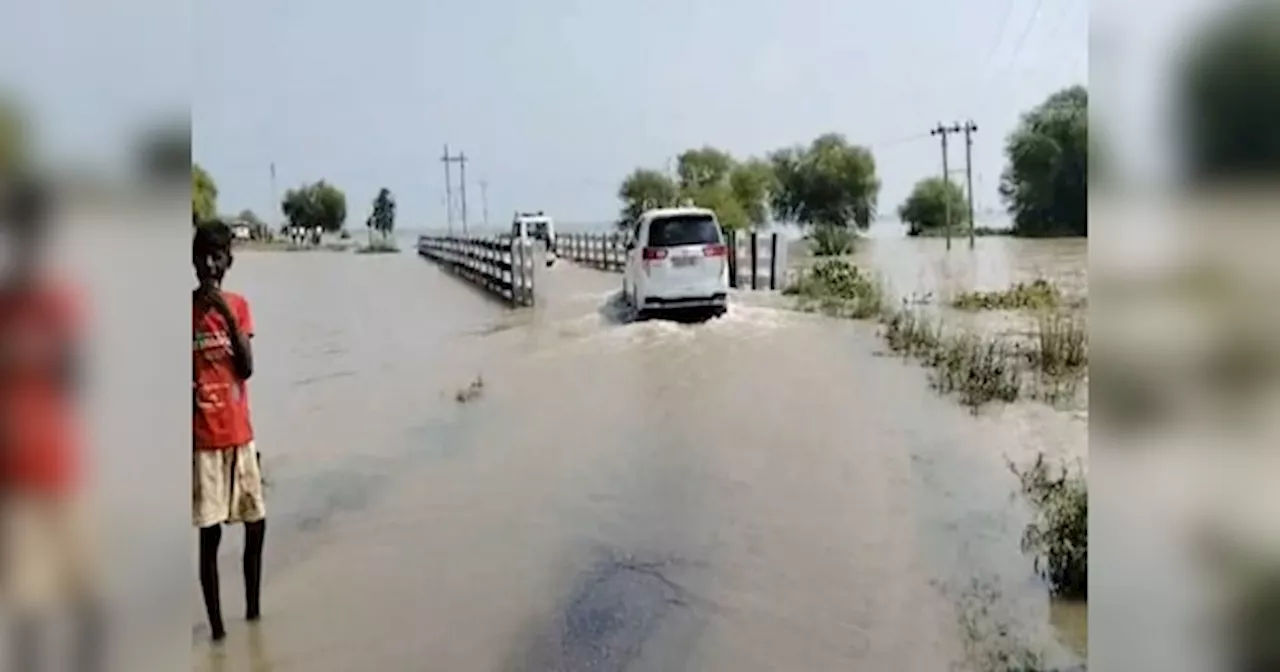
(255, 535)
(210, 537)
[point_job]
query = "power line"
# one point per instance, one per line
(885, 144)
(995, 44)
(1017, 49)
(985, 97)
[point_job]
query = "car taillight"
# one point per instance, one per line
(653, 253)
(715, 250)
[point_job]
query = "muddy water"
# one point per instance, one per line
(759, 492)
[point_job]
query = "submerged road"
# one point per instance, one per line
(759, 492)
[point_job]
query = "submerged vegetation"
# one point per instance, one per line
(1039, 294)
(978, 368)
(1058, 535)
(983, 368)
(385, 246)
(839, 288)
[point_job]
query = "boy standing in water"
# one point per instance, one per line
(226, 479)
(46, 550)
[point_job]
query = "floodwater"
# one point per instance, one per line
(759, 492)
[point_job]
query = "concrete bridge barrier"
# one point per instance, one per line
(501, 265)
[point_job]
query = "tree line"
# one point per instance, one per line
(316, 205)
(831, 188)
(829, 184)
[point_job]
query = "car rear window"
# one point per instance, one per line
(683, 230)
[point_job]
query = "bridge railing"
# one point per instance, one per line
(501, 265)
(605, 251)
(756, 261)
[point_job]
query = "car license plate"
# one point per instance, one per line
(681, 262)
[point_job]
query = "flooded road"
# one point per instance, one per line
(760, 492)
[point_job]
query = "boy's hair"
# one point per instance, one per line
(25, 204)
(210, 238)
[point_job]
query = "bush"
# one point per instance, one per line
(839, 288)
(831, 241)
(1058, 534)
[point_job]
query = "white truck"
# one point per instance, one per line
(536, 226)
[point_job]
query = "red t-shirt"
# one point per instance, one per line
(220, 419)
(40, 326)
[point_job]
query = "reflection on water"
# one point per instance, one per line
(756, 492)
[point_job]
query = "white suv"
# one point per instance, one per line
(677, 259)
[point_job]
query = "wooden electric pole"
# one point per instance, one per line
(484, 201)
(461, 160)
(462, 168)
(969, 129)
(448, 190)
(943, 131)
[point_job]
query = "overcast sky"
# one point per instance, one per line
(553, 101)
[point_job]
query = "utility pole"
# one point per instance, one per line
(969, 129)
(448, 190)
(946, 176)
(462, 165)
(484, 200)
(275, 201)
(461, 160)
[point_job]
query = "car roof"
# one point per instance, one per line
(533, 219)
(675, 212)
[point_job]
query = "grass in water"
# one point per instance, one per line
(979, 369)
(1039, 294)
(992, 641)
(907, 333)
(378, 247)
(1058, 535)
(1062, 344)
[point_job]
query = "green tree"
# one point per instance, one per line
(383, 219)
(701, 168)
(1045, 184)
(830, 183)
(753, 185)
(204, 195)
(319, 204)
(644, 189)
(719, 198)
(927, 206)
(1228, 91)
(249, 217)
(14, 148)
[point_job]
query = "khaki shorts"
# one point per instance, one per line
(46, 552)
(226, 486)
